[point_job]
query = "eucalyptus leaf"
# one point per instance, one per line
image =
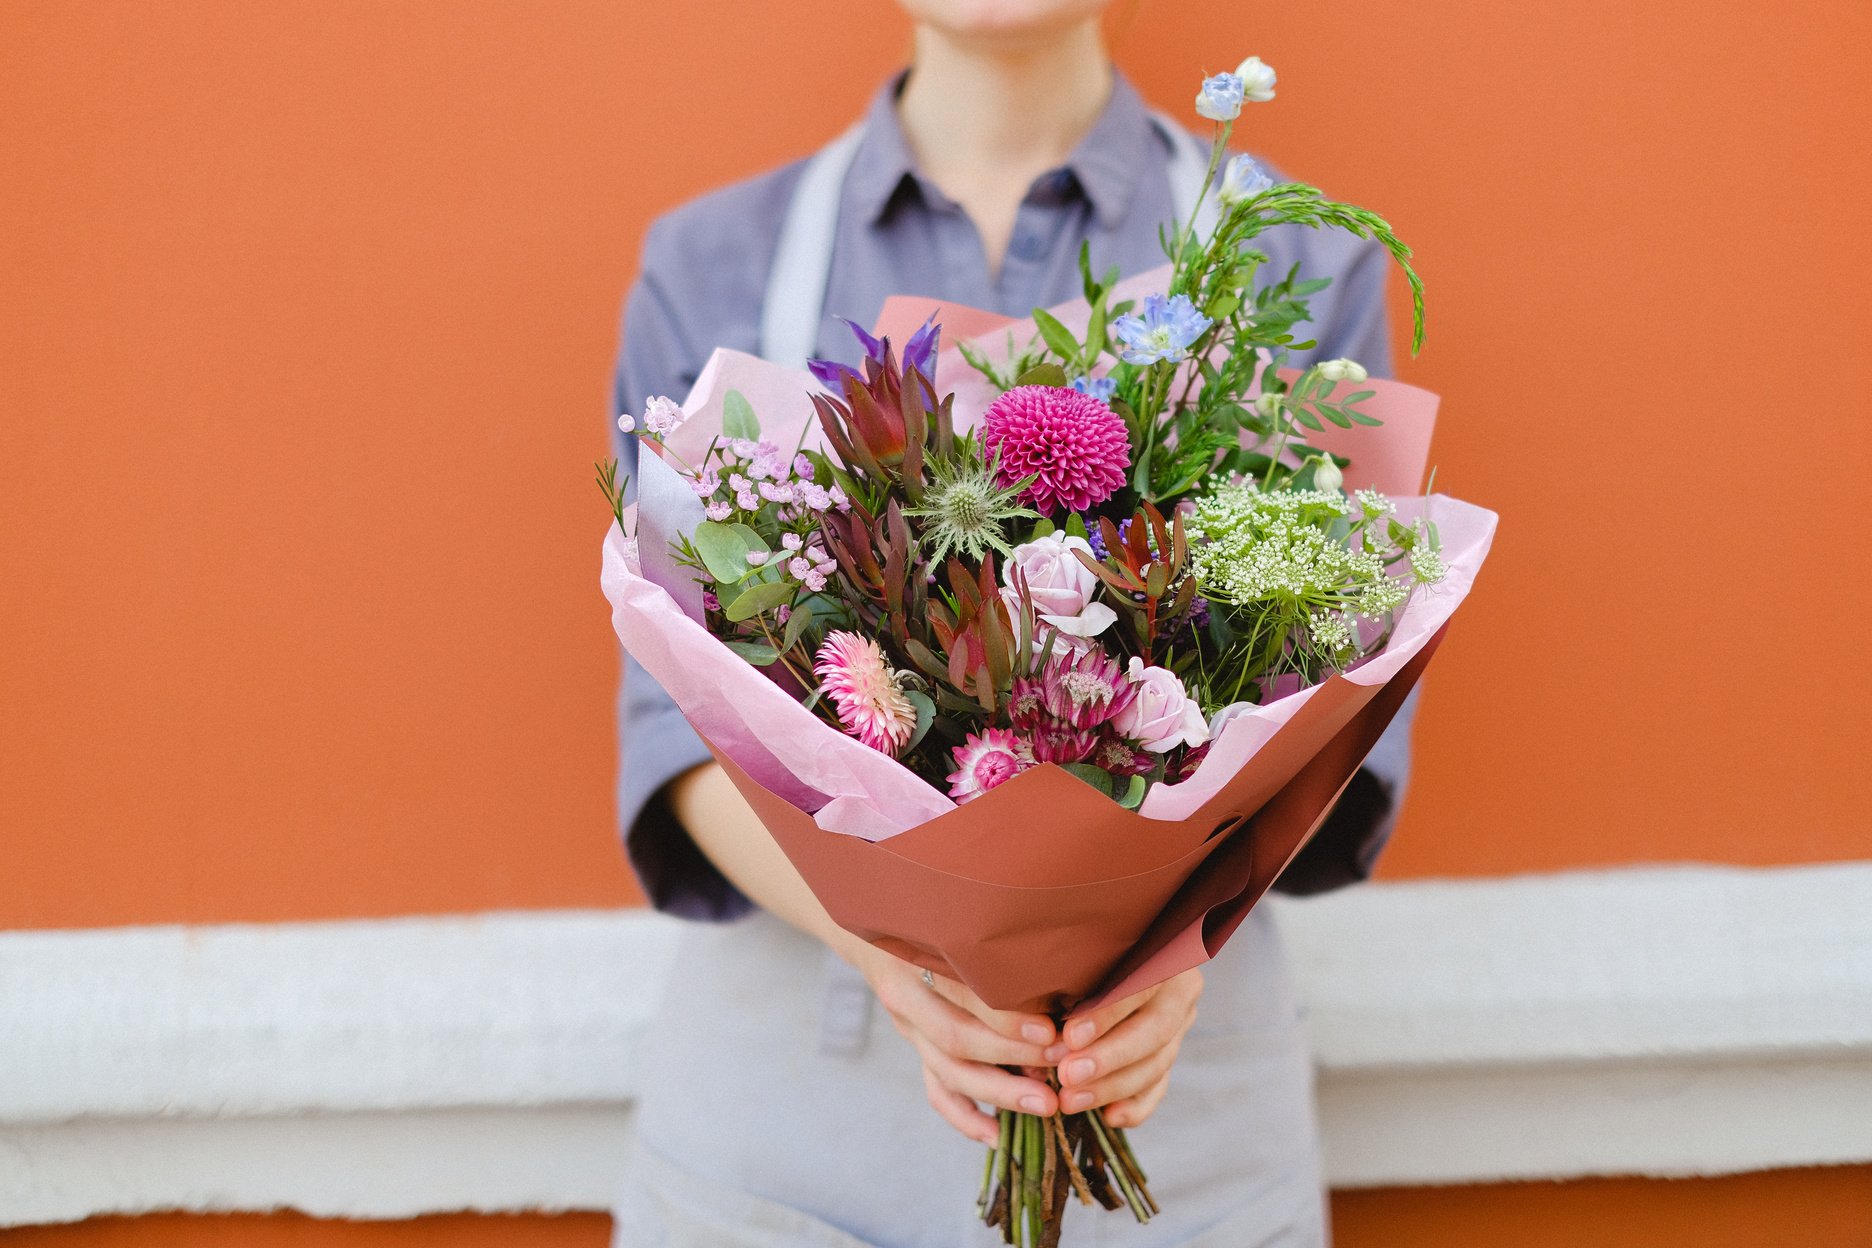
(925, 716)
(737, 417)
(758, 597)
(1133, 796)
(759, 653)
(724, 548)
(796, 625)
(1097, 778)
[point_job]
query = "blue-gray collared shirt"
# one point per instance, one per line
(700, 285)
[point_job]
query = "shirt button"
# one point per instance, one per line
(1028, 245)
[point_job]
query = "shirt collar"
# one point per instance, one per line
(1106, 163)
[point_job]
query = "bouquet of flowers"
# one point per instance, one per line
(1042, 655)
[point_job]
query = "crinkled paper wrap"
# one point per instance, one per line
(1042, 893)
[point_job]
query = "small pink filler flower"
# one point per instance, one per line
(984, 760)
(862, 686)
(1074, 446)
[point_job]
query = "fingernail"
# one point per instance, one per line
(1032, 1104)
(1054, 1052)
(1078, 1071)
(1073, 1102)
(1036, 1033)
(1080, 1033)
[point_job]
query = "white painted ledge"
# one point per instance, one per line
(1688, 1020)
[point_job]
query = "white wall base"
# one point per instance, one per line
(1670, 1021)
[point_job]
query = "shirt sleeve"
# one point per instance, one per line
(655, 743)
(1351, 322)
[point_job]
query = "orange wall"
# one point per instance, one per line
(308, 309)
(1828, 1208)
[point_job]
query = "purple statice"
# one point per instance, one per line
(1165, 331)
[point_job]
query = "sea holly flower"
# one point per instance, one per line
(1242, 178)
(1165, 330)
(1161, 715)
(1220, 98)
(966, 509)
(864, 690)
(985, 760)
(1072, 449)
(1257, 79)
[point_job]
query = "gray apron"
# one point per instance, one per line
(780, 1109)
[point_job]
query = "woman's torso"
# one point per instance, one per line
(778, 1106)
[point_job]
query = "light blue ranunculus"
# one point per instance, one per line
(1220, 98)
(1100, 388)
(1164, 331)
(1242, 179)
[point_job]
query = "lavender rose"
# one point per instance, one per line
(1060, 587)
(1162, 716)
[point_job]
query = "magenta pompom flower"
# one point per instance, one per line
(871, 706)
(984, 760)
(1074, 447)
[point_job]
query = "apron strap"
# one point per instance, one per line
(796, 285)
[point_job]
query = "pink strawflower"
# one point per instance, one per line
(1074, 446)
(984, 760)
(871, 707)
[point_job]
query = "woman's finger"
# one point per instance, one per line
(1164, 1019)
(960, 1112)
(954, 1030)
(980, 1082)
(1081, 1030)
(1131, 1111)
(1030, 1028)
(1132, 1080)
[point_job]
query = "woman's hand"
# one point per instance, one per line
(964, 1045)
(1120, 1056)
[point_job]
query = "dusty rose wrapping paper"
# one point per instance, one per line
(1043, 893)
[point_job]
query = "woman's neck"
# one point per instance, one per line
(984, 118)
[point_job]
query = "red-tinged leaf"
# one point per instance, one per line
(1157, 580)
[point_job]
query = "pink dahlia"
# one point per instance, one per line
(985, 760)
(1075, 448)
(871, 706)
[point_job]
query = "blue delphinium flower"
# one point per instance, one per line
(1164, 332)
(1100, 388)
(1221, 97)
(1242, 179)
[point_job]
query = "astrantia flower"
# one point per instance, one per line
(984, 760)
(1074, 447)
(871, 705)
(1165, 330)
(965, 509)
(1220, 98)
